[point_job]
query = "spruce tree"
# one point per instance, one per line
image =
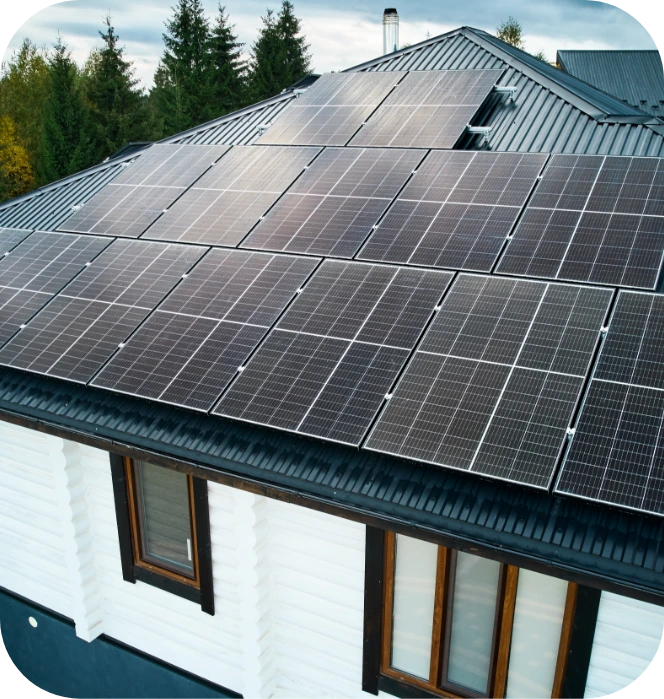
(228, 66)
(116, 103)
(65, 137)
(185, 96)
(295, 48)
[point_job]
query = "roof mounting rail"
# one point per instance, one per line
(262, 128)
(510, 90)
(484, 131)
(299, 91)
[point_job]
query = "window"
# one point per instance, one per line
(164, 530)
(455, 624)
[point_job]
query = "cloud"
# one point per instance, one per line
(341, 33)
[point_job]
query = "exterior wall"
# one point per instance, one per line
(627, 636)
(289, 582)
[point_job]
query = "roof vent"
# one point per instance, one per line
(390, 30)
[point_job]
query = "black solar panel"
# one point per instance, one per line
(428, 109)
(227, 202)
(456, 211)
(11, 237)
(616, 453)
(138, 196)
(36, 270)
(327, 366)
(494, 383)
(333, 207)
(593, 219)
(191, 347)
(74, 334)
(331, 110)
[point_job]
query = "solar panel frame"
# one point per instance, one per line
(449, 217)
(590, 220)
(483, 351)
(229, 200)
(312, 357)
(428, 109)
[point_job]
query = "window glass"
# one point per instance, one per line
(538, 620)
(164, 513)
(414, 594)
(473, 619)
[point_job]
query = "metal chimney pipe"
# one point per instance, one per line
(390, 30)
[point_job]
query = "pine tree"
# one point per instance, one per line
(297, 57)
(16, 176)
(116, 103)
(229, 68)
(65, 145)
(185, 95)
(23, 96)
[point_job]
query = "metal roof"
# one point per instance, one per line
(590, 543)
(635, 77)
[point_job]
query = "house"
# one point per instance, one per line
(635, 77)
(412, 447)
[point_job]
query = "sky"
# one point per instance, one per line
(341, 33)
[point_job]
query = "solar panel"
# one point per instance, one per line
(74, 334)
(495, 381)
(191, 347)
(326, 367)
(456, 211)
(593, 219)
(11, 237)
(333, 207)
(616, 452)
(331, 110)
(136, 198)
(227, 202)
(428, 109)
(36, 270)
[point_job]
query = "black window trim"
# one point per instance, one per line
(373, 680)
(131, 572)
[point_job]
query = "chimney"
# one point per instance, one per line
(390, 30)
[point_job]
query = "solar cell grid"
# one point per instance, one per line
(331, 110)
(333, 207)
(17, 306)
(456, 211)
(78, 331)
(11, 237)
(192, 345)
(495, 381)
(428, 109)
(591, 219)
(336, 351)
(228, 201)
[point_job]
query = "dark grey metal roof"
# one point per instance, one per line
(589, 543)
(635, 77)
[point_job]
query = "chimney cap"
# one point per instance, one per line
(390, 11)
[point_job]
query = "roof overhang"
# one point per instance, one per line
(579, 541)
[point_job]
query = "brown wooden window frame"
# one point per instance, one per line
(136, 565)
(579, 619)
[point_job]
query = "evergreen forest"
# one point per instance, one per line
(57, 117)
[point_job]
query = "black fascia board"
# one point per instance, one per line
(590, 543)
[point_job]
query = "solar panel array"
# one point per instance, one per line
(593, 219)
(497, 373)
(192, 345)
(327, 366)
(35, 270)
(334, 206)
(428, 109)
(494, 383)
(227, 202)
(79, 330)
(457, 211)
(331, 110)
(137, 197)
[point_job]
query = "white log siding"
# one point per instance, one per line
(288, 582)
(627, 636)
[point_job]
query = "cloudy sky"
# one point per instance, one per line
(343, 32)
